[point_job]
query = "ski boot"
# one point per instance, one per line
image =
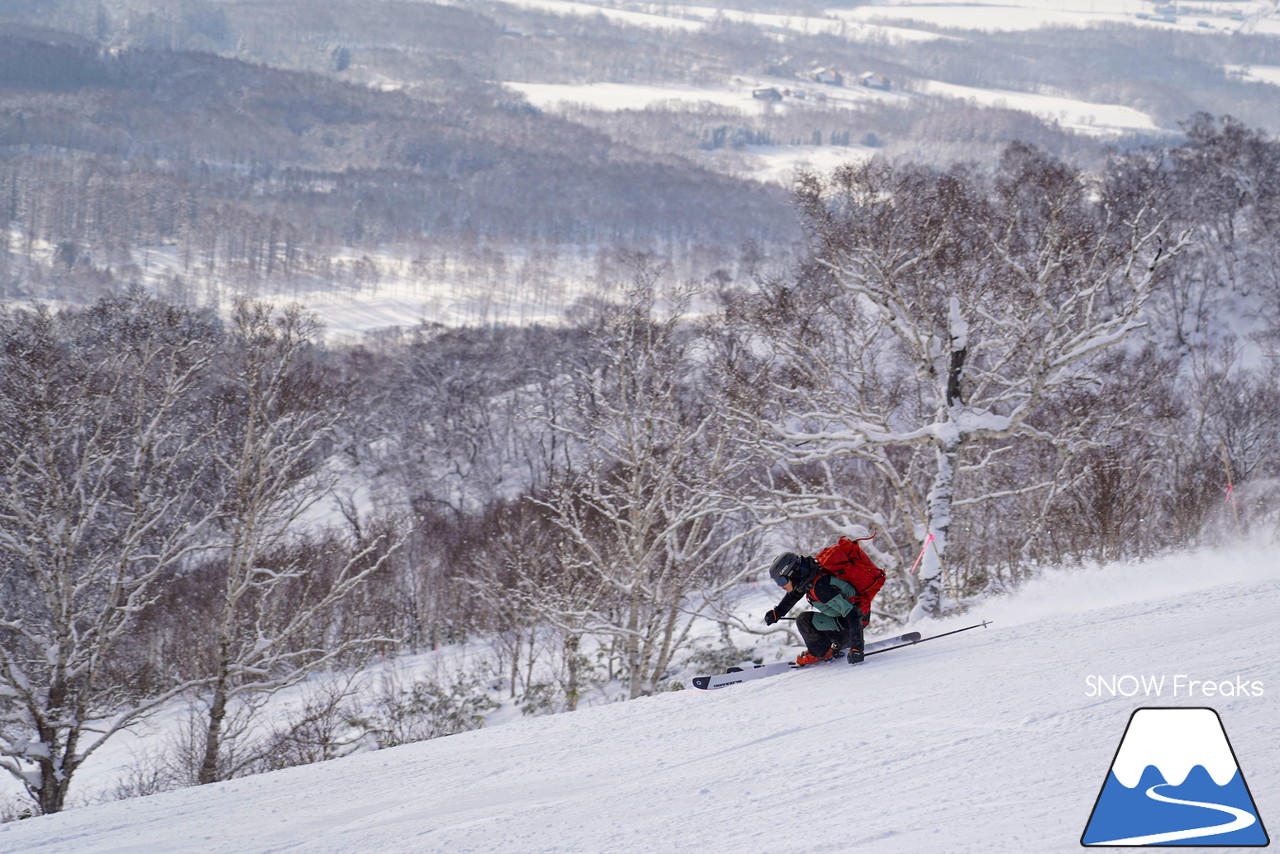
(807, 657)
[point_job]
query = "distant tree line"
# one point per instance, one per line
(263, 175)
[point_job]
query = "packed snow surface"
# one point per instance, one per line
(991, 740)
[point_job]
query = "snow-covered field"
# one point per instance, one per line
(1257, 73)
(887, 22)
(779, 164)
(992, 16)
(1071, 113)
(652, 19)
(996, 15)
(993, 740)
(633, 96)
(833, 23)
(611, 97)
(913, 20)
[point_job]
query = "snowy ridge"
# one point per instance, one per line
(985, 742)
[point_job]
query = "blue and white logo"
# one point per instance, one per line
(1175, 781)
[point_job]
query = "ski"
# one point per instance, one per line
(734, 675)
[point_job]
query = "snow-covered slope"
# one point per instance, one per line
(997, 739)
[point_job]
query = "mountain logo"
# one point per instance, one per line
(1175, 781)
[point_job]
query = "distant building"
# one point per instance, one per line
(873, 80)
(829, 76)
(769, 94)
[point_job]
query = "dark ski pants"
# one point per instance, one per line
(848, 633)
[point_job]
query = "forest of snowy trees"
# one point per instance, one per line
(998, 371)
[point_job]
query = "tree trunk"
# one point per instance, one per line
(929, 593)
(572, 688)
(55, 776)
(634, 659)
(213, 735)
(51, 796)
(515, 661)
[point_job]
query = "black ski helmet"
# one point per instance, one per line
(787, 566)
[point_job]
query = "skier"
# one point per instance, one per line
(837, 622)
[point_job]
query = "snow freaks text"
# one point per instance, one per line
(1179, 685)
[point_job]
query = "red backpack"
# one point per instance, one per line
(847, 560)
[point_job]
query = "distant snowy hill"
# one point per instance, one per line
(989, 741)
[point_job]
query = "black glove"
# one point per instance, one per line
(770, 618)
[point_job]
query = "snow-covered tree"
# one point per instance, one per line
(647, 510)
(1223, 182)
(279, 417)
(968, 308)
(99, 462)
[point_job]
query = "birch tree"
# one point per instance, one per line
(99, 441)
(647, 511)
(280, 417)
(971, 306)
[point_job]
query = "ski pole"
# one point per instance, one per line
(981, 625)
